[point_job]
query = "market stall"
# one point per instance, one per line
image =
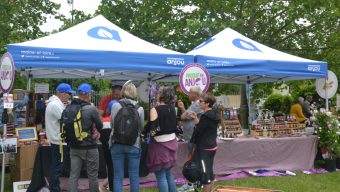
(234, 58)
(99, 49)
(96, 49)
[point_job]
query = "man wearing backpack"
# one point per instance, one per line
(54, 109)
(127, 120)
(84, 148)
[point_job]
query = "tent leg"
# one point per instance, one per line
(249, 89)
(3, 157)
(326, 94)
(29, 83)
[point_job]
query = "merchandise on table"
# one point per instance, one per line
(277, 127)
(230, 126)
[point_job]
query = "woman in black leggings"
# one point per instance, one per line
(204, 137)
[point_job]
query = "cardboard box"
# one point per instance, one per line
(21, 174)
(26, 156)
(18, 94)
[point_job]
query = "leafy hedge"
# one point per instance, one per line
(278, 103)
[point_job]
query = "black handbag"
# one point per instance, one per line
(191, 170)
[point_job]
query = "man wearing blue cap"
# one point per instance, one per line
(54, 109)
(86, 151)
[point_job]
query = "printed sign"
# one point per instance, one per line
(8, 101)
(41, 88)
(6, 72)
(21, 186)
(9, 145)
(26, 134)
(193, 75)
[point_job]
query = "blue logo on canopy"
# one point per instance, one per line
(242, 44)
(205, 43)
(104, 33)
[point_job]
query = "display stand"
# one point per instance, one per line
(19, 114)
(230, 124)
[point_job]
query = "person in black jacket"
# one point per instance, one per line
(86, 150)
(204, 137)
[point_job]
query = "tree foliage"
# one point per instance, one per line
(278, 103)
(21, 20)
(298, 27)
(305, 28)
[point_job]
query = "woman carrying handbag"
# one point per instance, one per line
(204, 137)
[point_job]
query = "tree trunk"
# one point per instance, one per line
(244, 110)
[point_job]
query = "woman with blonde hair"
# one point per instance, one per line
(122, 153)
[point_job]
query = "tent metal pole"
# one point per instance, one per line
(3, 168)
(326, 94)
(4, 121)
(29, 82)
(249, 89)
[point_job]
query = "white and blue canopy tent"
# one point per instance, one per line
(96, 49)
(99, 49)
(233, 58)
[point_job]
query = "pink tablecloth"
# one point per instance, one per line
(287, 153)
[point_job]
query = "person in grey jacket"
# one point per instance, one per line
(126, 153)
(86, 150)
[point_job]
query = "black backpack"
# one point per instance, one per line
(127, 124)
(70, 124)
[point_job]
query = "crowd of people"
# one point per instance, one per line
(115, 118)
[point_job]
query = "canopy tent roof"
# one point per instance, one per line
(99, 49)
(232, 57)
(85, 50)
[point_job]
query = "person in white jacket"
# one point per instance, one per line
(54, 109)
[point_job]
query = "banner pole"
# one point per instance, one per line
(3, 158)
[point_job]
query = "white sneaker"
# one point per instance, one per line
(186, 187)
(103, 189)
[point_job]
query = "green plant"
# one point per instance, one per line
(272, 102)
(278, 103)
(287, 101)
(326, 131)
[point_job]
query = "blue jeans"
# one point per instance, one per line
(165, 181)
(56, 167)
(119, 154)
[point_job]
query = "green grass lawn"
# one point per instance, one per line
(301, 182)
